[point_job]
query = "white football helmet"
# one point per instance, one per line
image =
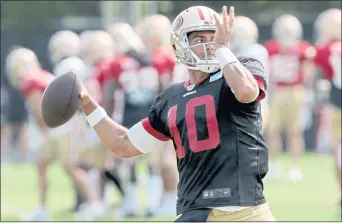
(125, 37)
(85, 42)
(245, 32)
(328, 25)
(18, 62)
(154, 30)
(197, 18)
(96, 45)
(287, 29)
(64, 43)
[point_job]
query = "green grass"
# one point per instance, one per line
(313, 199)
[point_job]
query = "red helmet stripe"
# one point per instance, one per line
(201, 14)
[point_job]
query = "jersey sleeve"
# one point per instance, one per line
(32, 82)
(144, 141)
(103, 71)
(272, 47)
(163, 62)
(120, 65)
(322, 62)
(258, 71)
(26, 86)
(151, 133)
(155, 123)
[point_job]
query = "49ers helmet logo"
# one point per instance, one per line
(178, 23)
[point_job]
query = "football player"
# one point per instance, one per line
(64, 49)
(24, 69)
(14, 119)
(290, 63)
(97, 51)
(154, 31)
(245, 38)
(213, 120)
(22, 64)
(132, 73)
(328, 60)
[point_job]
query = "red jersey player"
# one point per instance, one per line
(22, 64)
(133, 73)
(97, 50)
(328, 61)
(154, 31)
(290, 60)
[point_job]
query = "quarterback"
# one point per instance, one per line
(213, 121)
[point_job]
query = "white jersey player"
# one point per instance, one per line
(64, 49)
(245, 42)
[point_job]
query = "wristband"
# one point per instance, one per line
(225, 56)
(96, 116)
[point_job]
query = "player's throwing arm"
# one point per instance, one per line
(112, 135)
(240, 80)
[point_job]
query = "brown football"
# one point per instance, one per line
(61, 100)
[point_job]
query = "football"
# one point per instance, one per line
(61, 100)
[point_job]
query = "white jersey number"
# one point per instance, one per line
(284, 68)
(141, 86)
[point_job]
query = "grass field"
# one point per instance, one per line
(313, 199)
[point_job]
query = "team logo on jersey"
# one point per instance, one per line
(178, 23)
(190, 87)
(215, 76)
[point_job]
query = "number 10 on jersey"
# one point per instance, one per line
(195, 145)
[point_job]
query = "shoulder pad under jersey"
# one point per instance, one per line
(255, 51)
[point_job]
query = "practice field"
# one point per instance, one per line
(313, 199)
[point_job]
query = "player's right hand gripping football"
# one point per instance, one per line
(85, 97)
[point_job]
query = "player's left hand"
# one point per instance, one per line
(224, 30)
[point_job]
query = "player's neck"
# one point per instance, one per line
(197, 76)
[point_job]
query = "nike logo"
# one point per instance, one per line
(189, 93)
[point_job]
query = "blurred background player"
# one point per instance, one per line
(290, 60)
(24, 70)
(328, 63)
(245, 38)
(14, 122)
(63, 55)
(97, 50)
(32, 82)
(64, 49)
(131, 72)
(154, 31)
(23, 66)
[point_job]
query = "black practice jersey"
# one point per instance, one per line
(221, 154)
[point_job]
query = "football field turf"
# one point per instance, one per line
(313, 199)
